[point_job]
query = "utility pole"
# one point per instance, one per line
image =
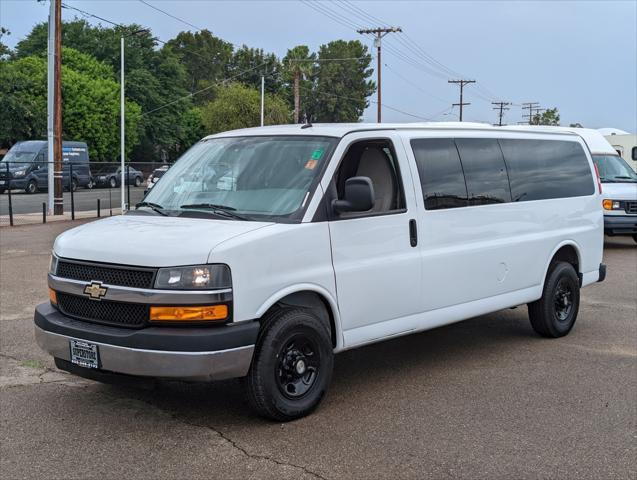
(58, 204)
(502, 106)
(50, 99)
(379, 34)
(462, 84)
(530, 106)
(262, 98)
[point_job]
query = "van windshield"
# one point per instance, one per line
(245, 177)
(17, 158)
(614, 169)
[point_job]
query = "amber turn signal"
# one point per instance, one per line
(188, 314)
(53, 296)
(608, 204)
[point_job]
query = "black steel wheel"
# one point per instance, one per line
(32, 187)
(292, 365)
(555, 313)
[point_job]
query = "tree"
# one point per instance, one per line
(248, 64)
(239, 106)
(341, 87)
(4, 50)
(548, 117)
(299, 66)
(576, 125)
(90, 107)
(205, 57)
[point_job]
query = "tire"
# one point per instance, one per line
(32, 187)
(290, 340)
(554, 314)
(90, 184)
(138, 181)
(112, 182)
(1, 191)
(74, 185)
(635, 238)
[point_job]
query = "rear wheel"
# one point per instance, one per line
(73, 185)
(32, 187)
(112, 182)
(555, 313)
(138, 181)
(292, 365)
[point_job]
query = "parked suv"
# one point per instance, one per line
(26, 167)
(263, 252)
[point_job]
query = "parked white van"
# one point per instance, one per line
(262, 252)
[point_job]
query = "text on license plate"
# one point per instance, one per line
(84, 354)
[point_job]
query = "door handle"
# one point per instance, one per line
(413, 233)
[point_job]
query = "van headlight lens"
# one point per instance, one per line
(612, 205)
(53, 264)
(19, 173)
(198, 277)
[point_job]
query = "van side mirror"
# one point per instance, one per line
(634, 153)
(359, 196)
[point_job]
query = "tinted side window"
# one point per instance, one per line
(541, 169)
(440, 172)
(484, 171)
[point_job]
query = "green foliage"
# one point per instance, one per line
(4, 50)
(90, 107)
(205, 57)
(255, 62)
(548, 117)
(341, 88)
(239, 106)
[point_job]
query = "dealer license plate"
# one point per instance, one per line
(84, 354)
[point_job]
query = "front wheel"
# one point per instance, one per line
(32, 187)
(292, 365)
(555, 313)
(138, 181)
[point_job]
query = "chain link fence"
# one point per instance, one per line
(90, 190)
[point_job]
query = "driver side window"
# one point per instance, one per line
(376, 160)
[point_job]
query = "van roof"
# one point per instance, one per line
(341, 129)
(596, 142)
(36, 145)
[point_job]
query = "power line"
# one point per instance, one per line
(170, 15)
(415, 85)
(530, 106)
(462, 84)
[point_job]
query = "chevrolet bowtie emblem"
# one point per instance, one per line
(95, 290)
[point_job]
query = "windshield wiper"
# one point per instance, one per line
(155, 207)
(222, 210)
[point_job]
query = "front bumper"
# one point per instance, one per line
(196, 354)
(620, 224)
(13, 184)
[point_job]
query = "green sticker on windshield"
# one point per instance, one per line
(317, 154)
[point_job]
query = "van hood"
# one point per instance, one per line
(620, 191)
(150, 241)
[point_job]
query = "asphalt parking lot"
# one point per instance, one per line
(485, 398)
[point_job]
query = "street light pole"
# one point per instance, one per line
(122, 128)
(262, 98)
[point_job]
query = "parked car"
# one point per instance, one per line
(268, 250)
(26, 167)
(155, 176)
(110, 176)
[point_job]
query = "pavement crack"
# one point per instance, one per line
(233, 443)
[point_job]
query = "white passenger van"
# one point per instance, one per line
(619, 181)
(262, 252)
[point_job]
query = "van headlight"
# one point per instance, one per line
(612, 205)
(197, 277)
(19, 173)
(53, 264)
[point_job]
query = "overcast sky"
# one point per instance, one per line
(578, 56)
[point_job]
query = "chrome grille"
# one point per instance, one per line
(132, 315)
(631, 207)
(122, 276)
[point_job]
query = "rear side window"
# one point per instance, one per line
(484, 171)
(543, 169)
(440, 172)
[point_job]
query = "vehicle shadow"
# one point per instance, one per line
(367, 368)
(619, 243)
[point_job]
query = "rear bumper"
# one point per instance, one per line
(620, 224)
(197, 354)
